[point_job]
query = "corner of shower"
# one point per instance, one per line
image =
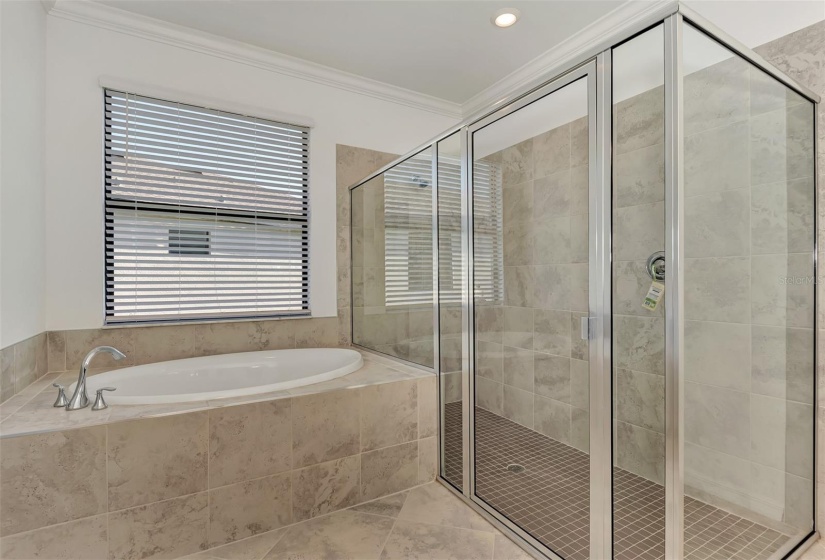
(611, 275)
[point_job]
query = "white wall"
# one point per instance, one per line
(78, 55)
(22, 224)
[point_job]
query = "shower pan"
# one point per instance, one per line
(612, 274)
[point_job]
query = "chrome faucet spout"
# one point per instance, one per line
(80, 399)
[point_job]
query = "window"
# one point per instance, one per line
(487, 226)
(408, 231)
(206, 213)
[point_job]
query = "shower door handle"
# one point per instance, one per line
(586, 329)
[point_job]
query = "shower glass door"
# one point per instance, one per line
(638, 292)
(530, 185)
(749, 383)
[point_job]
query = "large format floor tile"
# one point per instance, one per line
(421, 541)
(346, 534)
(427, 522)
(435, 505)
(252, 548)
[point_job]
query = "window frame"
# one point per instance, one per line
(147, 208)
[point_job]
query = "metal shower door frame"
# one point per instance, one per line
(594, 64)
(673, 19)
(596, 74)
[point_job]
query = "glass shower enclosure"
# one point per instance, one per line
(612, 273)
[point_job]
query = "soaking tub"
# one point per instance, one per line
(227, 375)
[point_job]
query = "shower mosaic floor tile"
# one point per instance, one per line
(550, 498)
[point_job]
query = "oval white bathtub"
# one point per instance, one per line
(227, 375)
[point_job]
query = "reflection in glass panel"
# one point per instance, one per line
(451, 284)
(530, 264)
(749, 300)
(638, 332)
(392, 261)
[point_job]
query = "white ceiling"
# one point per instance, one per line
(446, 49)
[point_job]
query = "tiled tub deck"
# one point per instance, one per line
(166, 481)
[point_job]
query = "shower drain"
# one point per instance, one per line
(515, 468)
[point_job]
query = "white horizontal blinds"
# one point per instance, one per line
(206, 213)
(408, 232)
(488, 238)
(450, 268)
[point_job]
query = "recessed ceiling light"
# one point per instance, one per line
(505, 17)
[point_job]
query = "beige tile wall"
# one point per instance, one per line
(352, 165)
(749, 338)
(531, 363)
(170, 486)
(746, 341)
(143, 345)
(638, 231)
(802, 56)
(21, 364)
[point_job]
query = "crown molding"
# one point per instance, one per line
(121, 21)
(47, 5)
(622, 17)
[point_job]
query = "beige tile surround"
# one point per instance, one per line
(748, 357)
(171, 485)
(32, 412)
(801, 55)
(144, 345)
(57, 351)
(352, 165)
(21, 364)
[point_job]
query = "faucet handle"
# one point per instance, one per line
(61, 401)
(100, 404)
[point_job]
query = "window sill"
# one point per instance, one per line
(208, 321)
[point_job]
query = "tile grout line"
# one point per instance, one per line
(387, 538)
(106, 464)
(278, 540)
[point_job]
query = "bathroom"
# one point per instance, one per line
(453, 280)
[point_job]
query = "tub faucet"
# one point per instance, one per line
(80, 399)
